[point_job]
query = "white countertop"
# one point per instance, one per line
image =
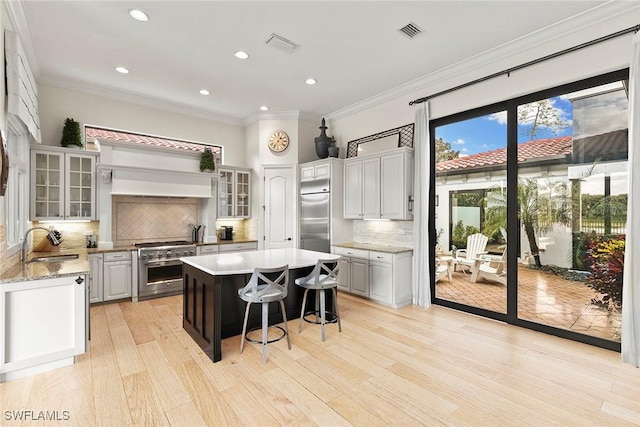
(246, 262)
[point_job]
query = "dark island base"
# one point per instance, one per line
(213, 311)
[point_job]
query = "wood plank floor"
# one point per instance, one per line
(388, 367)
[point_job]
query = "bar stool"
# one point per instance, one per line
(263, 288)
(323, 277)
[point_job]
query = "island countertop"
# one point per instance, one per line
(246, 262)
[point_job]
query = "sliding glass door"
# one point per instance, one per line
(530, 199)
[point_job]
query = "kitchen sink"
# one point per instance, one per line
(54, 258)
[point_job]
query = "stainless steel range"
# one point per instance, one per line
(160, 269)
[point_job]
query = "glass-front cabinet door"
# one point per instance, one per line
(242, 194)
(225, 194)
(62, 184)
(47, 178)
(80, 187)
(234, 194)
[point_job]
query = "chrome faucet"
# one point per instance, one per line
(51, 234)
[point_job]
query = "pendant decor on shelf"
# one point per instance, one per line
(323, 142)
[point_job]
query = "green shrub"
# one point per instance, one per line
(460, 234)
(71, 134)
(605, 257)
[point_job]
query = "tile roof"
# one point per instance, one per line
(135, 138)
(538, 149)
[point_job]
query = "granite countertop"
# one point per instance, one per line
(377, 248)
(47, 270)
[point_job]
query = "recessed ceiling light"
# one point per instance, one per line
(122, 70)
(138, 15)
(310, 81)
(204, 92)
(241, 54)
(264, 108)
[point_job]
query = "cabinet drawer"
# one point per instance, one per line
(235, 247)
(353, 253)
(381, 257)
(208, 249)
(117, 256)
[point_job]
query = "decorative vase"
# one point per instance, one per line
(333, 150)
(323, 142)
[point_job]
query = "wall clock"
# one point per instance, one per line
(278, 141)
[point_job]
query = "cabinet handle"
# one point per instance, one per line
(379, 257)
(79, 280)
(410, 204)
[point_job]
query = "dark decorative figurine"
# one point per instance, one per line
(323, 142)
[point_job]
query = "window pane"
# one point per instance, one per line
(572, 201)
(471, 212)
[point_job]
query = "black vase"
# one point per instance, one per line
(323, 142)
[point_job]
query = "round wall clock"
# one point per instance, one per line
(278, 141)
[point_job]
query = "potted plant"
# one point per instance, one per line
(207, 161)
(71, 134)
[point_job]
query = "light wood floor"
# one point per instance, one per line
(388, 367)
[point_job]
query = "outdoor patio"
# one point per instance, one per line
(542, 298)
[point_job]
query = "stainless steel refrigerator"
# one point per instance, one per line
(314, 215)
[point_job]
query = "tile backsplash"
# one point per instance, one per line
(388, 233)
(147, 219)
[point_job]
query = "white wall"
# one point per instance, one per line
(57, 103)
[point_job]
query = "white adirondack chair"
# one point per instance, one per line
(490, 269)
(476, 246)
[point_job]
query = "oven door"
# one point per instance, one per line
(159, 278)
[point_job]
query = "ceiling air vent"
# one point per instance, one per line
(411, 30)
(281, 43)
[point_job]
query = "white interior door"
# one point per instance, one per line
(279, 207)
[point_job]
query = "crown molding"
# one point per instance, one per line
(135, 98)
(598, 14)
(281, 115)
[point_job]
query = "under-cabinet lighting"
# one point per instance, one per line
(241, 54)
(122, 70)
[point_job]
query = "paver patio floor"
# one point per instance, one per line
(543, 298)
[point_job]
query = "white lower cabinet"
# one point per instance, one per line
(111, 276)
(44, 324)
(381, 276)
(95, 278)
(353, 275)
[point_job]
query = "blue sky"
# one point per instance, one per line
(488, 133)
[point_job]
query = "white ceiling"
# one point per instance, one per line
(353, 49)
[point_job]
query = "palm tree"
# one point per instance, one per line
(542, 202)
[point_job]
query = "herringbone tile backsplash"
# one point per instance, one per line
(147, 219)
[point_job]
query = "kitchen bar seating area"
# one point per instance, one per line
(212, 309)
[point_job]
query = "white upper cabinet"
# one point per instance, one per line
(62, 184)
(379, 186)
(315, 171)
(396, 186)
(234, 193)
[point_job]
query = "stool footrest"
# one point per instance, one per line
(329, 316)
(284, 334)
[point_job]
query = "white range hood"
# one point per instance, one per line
(137, 181)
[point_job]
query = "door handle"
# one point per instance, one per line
(289, 238)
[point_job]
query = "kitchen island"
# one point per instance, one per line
(212, 309)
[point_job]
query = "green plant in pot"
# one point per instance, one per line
(71, 134)
(207, 161)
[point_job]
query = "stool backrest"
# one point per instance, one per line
(325, 273)
(266, 280)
